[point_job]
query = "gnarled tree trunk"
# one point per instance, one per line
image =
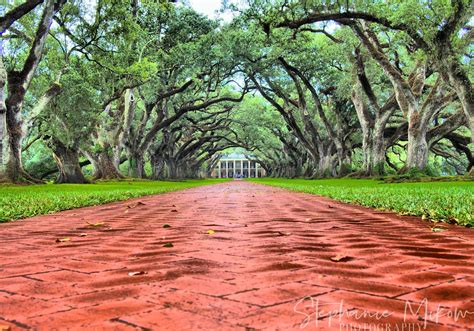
(4, 142)
(136, 165)
(104, 166)
(417, 148)
(67, 160)
(325, 166)
(377, 157)
(157, 167)
(11, 168)
(172, 168)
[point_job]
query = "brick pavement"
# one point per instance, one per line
(274, 260)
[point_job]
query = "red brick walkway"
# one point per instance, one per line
(270, 249)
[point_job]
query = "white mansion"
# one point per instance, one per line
(237, 166)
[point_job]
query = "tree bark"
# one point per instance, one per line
(343, 166)
(325, 168)
(406, 96)
(104, 166)
(463, 88)
(11, 168)
(136, 165)
(67, 160)
(449, 63)
(157, 167)
(172, 168)
(373, 143)
(377, 167)
(4, 142)
(16, 13)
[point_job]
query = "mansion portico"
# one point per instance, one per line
(237, 166)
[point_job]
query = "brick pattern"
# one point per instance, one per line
(267, 266)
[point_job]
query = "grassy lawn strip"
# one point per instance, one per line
(441, 201)
(18, 202)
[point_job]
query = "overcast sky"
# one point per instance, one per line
(211, 9)
(207, 7)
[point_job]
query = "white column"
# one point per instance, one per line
(226, 169)
(256, 170)
(234, 169)
(219, 169)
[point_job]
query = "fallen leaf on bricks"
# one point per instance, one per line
(174, 210)
(82, 234)
(137, 273)
(61, 240)
(341, 258)
(279, 233)
(210, 232)
(166, 226)
(5, 328)
(436, 229)
(139, 203)
(168, 245)
(95, 225)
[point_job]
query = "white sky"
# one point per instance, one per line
(210, 8)
(207, 7)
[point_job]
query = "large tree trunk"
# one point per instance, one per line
(104, 166)
(4, 142)
(276, 173)
(13, 168)
(299, 167)
(463, 88)
(308, 171)
(67, 160)
(15, 128)
(157, 167)
(367, 125)
(172, 168)
(191, 171)
(324, 166)
(367, 149)
(343, 163)
(377, 158)
(406, 95)
(13, 165)
(4, 152)
(417, 149)
(136, 166)
(452, 70)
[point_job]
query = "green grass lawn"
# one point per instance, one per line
(25, 201)
(441, 201)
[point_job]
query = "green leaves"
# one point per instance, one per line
(143, 69)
